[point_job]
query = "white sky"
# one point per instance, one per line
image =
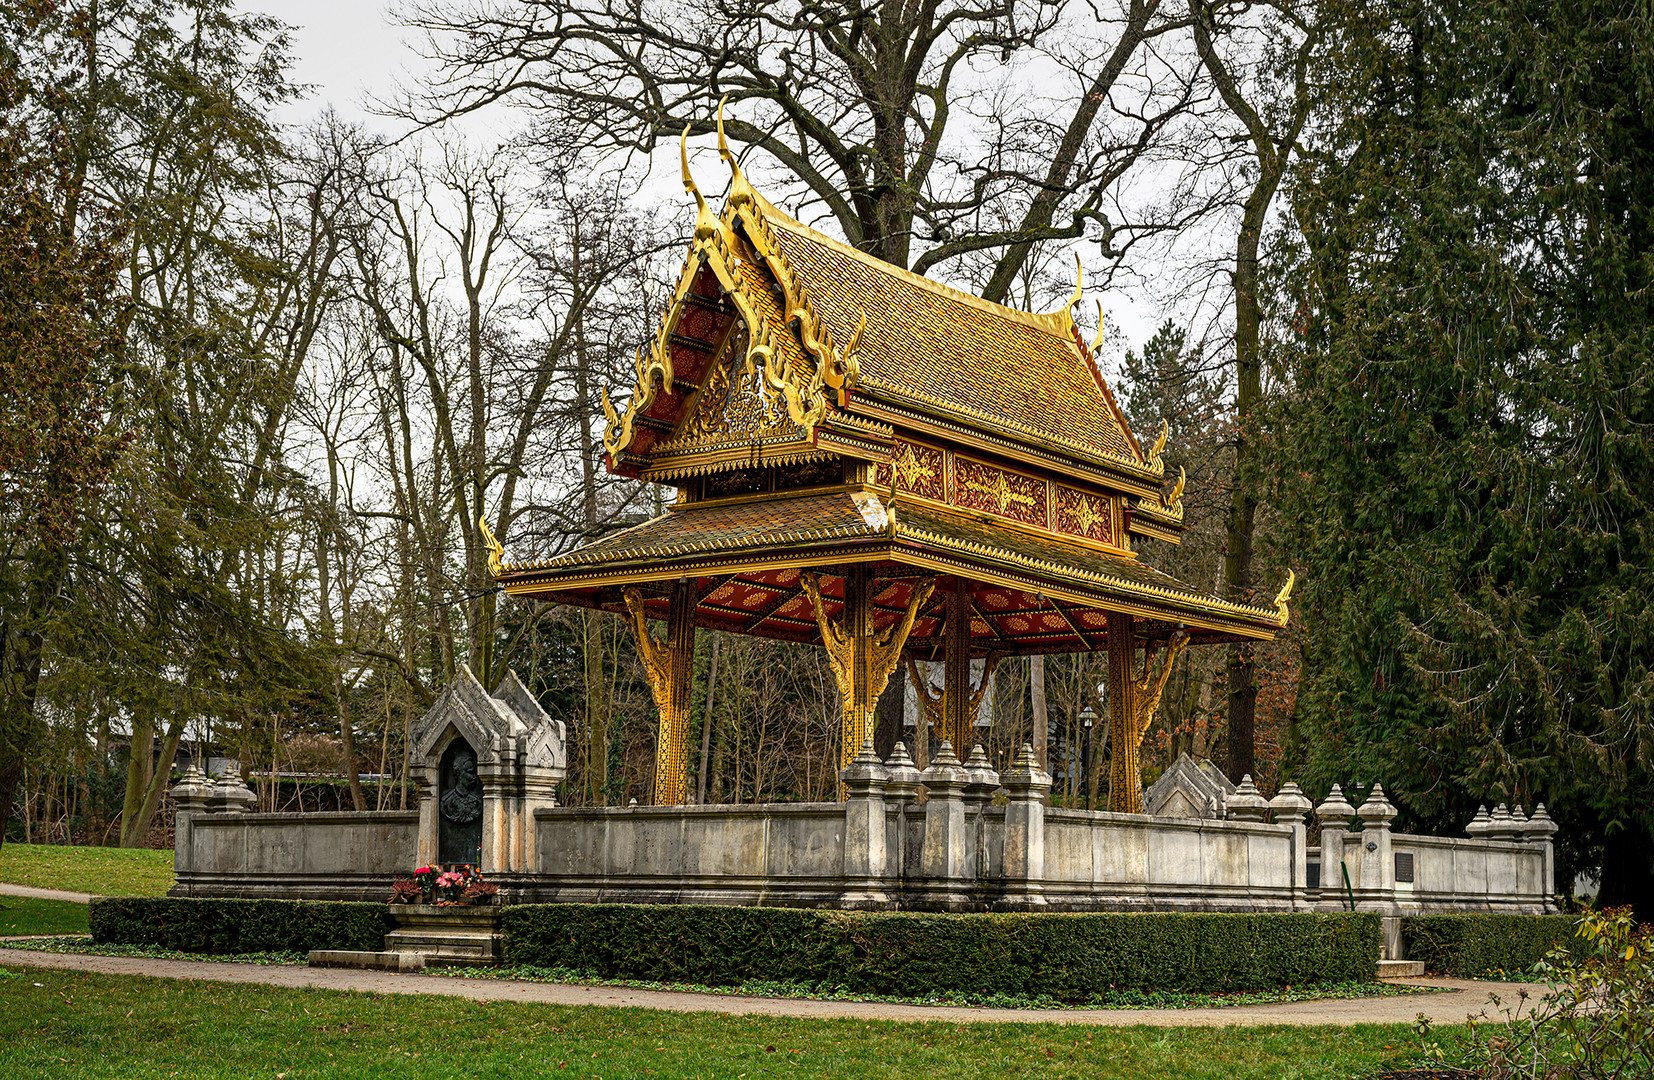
(351, 51)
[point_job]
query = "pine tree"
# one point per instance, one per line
(1468, 455)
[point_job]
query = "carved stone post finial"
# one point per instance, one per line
(1246, 804)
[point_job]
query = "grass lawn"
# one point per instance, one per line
(75, 1025)
(101, 870)
(26, 915)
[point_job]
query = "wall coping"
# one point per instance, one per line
(311, 817)
(1473, 843)
(741, 810)
(1144, 821)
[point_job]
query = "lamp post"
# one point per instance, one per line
(1088, 716)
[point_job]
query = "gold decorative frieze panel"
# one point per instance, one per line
(990, 489)
(1081, 513)
(918, 469)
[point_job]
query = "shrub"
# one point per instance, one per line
(1069, 957)
(1595, 1020)
(191, 924)
(1469, 946)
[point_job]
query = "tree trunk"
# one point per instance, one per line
(706, 723)
(144, 798)
(18, 727)
(1041, 722)
(1243, 506)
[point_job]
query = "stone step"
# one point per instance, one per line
(1400, 969)
(374, 961)
(481, 946)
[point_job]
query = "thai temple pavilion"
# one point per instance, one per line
(871, 460)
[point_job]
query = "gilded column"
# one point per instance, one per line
(953, 711)
(668, 663)
(861, 660)
(1125, 786)
(1132, 699)
(958, 703)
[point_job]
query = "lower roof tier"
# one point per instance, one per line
(1030, 593)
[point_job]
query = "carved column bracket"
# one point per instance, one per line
(668, 663)
(861, 661)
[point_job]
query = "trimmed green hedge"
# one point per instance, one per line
(1466, 946)
(194, 924)
(1068, 957)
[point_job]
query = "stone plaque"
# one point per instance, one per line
(1404, 866)
(459, 806)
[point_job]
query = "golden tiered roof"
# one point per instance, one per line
(817, 407)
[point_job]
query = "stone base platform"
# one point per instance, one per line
(446, 936)
(367, 961)
(427, 935)
(1400, 969)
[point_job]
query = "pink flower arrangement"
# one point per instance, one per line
(445, 888)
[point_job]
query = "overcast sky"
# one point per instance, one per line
(351, 51)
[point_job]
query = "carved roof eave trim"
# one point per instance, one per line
(649, 562)
(903, 407)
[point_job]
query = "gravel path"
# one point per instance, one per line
(1468, 997)
(44, 894)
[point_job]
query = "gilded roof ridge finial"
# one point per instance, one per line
(1066, 312)
(1154, 459)
(1097, 342)
(1176, 500)
(496, 551)
(740, 190)
(1285, 595)
(706, 226)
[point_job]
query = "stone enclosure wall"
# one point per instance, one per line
(957, 837)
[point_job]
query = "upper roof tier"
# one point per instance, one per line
(957, 356)
(784, 346)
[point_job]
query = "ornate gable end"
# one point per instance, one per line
(730, 407)
(467, 707)
(544, 746)
(1188, 789)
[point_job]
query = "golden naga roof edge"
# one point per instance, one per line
(894, 531)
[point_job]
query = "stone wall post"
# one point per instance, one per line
(1245, 804)
(424, 779)
(942, 859)
(865, 863)
(1376, 887)
(981, 781)
(1292, 808)
(1026, 786)
(191, 794)
(230, 796)
(1335, 814)
(1539, 830)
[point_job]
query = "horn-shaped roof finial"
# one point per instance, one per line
(1064, 316)
(705, 225)
(1159, 447)
(1097, 342)
(739, 190)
